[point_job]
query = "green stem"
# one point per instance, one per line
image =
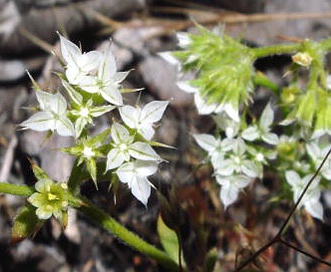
(13, 189)
(262, 80)
(260, 52)
(120, 232)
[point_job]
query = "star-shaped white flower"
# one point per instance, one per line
(53, 115)
(124, 147)
(80, 65)
(143, 119)
(262, 129)
(311, 199)
(215, 147)
(237, 163)
(135, 175)
(230, 187)
(107, 80)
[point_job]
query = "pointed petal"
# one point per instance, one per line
(112, 95)
(143, 151)
(141, 189)
(130, 115)
(153, 111)
(250, 169)
(64, 127)
(115, 158)
(108, 65)
(147, 132)
(226, 169)
(202, 107)
(186, 87)
(270, 138)
(315, 209)
(167, 56)
(267, 117)
(40, 121)
(120, 76)
(228, 194)
(250, 133)
(119, 134)
(145, 168)
(89, 61)
(292, 178)
(70, 51)
(126, 173)
(206, 141)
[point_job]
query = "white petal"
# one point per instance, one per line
(108, 65)
(202, 107)
(292, 178)
(64, 127)
(130, 115)
(40, 121)
(267, 117)
(89, 61)
(112, 95)
(120, 76)
(315, 209)
(186, 87)
(226, 169)
(206, 141)
(119, 134)
(228, 194)
(241, 181)
(146, 131)
(270, 138)
(126, 173)
(115, 158)
(153, 111)
(145, 168)
(250, 169)
(70, 51)
(183, 39)
(232, 112)
(141, 189)
(250, 133)
(168, 56)
(143, 151)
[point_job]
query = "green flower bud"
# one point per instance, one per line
(50, 199)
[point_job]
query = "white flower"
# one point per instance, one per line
(107, 80)
(124, 148)
(215, 147)
(318, 154)
(311, 198)
(79, 65)
(205, 108)
(143, 119)
(53, 115)
(230, 187)
(262, 129)
(183, 39)
(135, 175)
(228, 125)
(237, 162)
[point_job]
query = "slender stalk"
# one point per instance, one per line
(305, 253)
(13, 189)
(260, 52)
(123, 234)
(289, 217)
(262, 80)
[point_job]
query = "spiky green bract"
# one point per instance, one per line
(224, 66)
(88, 150)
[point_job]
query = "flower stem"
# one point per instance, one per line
(265, 51)
(13, 189)
(120, 232)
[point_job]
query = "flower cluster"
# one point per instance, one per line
(244, 144)
(93, 87)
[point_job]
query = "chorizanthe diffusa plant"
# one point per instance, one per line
(240, 149)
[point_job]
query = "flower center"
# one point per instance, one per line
(88, 152)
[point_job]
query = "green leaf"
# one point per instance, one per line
(38, 172)
(25, 224)
(169, 240)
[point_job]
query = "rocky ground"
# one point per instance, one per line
(139, 30)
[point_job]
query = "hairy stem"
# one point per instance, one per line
(13, 189)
